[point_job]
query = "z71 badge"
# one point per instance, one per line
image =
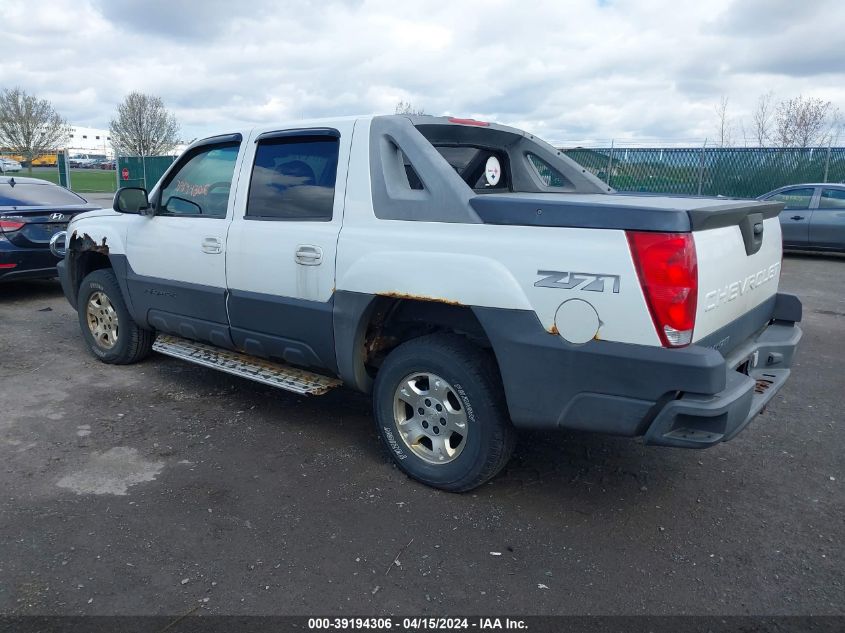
(592, 282)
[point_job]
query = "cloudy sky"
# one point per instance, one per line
(566, 70)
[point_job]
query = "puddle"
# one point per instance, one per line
(111, 473)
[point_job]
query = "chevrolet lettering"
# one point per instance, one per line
(730, 292)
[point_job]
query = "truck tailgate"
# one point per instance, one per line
(739, 260)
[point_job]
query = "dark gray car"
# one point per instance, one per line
(814, 216)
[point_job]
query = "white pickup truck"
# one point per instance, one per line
(467, 274)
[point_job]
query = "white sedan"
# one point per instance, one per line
(9, 165)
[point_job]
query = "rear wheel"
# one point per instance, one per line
(108, 329)
(440, 410)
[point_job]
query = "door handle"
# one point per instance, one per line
(797, 217)
(212, 245)
(308, 255)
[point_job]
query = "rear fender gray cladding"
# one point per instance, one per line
(545, 377)
(352, 312)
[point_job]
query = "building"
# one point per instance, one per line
(89, 140)
(96, 142)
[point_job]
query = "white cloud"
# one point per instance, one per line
(566, 70)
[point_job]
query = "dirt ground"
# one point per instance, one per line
(159, 487)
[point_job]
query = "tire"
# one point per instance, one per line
(129, 342)
(458, 458)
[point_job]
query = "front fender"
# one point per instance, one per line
(96, 235)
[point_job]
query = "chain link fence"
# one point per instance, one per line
(141, 171)
(727, 171)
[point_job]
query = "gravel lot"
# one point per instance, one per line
(160, 487)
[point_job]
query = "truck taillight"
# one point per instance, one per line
(668, 271)
(7, 226)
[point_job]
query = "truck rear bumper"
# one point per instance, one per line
(698, 420)
(690, 397)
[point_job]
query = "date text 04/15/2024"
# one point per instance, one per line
(416, 624)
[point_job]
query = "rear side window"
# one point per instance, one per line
(28, 195)
(832, 199)
(795, 199)
(293, 179)
(481, 168)
(550, 176)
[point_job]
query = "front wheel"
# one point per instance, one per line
(108, 329)
(440, 410)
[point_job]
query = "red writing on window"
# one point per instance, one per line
(183, 186)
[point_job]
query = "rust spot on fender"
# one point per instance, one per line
(400, 295)
(553, 329)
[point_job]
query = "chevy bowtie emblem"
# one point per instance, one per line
(57, 217)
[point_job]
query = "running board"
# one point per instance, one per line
(249, 367)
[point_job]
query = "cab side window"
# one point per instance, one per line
(293, 179)
(200, 187)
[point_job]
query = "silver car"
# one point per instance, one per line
(8, 165)
(814, 216)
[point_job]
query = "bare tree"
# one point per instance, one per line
(143, 127)
(744, 134)
(724, 126)
(763, 118)
(835, 128)
(405, 107)
(805, 122)
(28, 125)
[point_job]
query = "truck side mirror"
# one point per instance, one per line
(131, 200)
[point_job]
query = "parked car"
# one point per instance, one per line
(9, 165)
(467, 275)
(84, 161)
(107, 164)
(813, 217)
(32, 211)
